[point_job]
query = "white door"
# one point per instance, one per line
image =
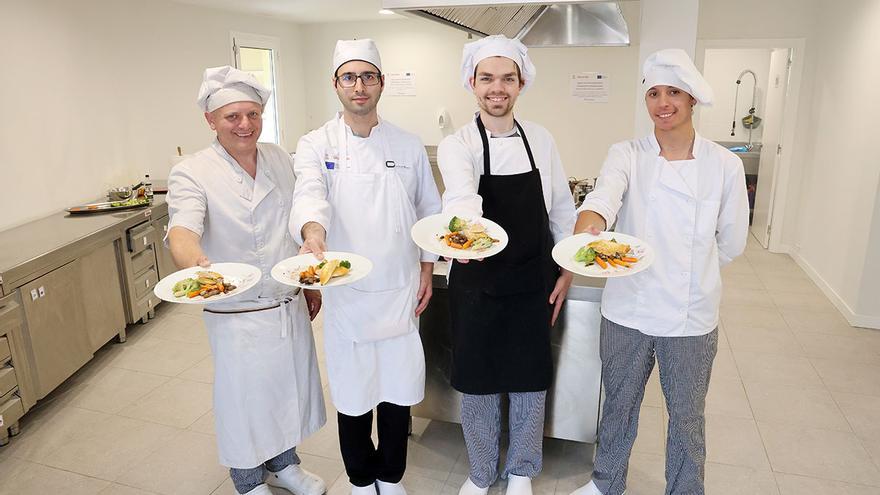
(777, 87)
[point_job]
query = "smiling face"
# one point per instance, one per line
(238, 126)
(359, 99)
(669, 107)
(497, 84)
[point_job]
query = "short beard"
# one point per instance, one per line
(486, 107)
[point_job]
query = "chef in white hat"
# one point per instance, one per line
(502, 308)
(362, 183)
(230, 202)
(685, 196)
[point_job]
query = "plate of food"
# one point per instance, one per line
(609, 254)
(337, 268)
(214, 284)
(457, 237)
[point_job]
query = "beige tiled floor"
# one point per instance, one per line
(793, 409)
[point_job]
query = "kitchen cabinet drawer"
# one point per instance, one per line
(12, 337)
(7, 380)
(143, 260)
(143, 285)
(11, 411)
(8, 396)
(5, 353)
(140, 237)
(146, 304)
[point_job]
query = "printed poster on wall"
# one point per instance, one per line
(400, 84)
(591, 87)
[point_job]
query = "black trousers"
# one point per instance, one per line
(364, 462)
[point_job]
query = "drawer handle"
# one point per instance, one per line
(147, 283)
(145, 240)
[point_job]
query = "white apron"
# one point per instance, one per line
(372, 216)
(267, 389)
(372, 343)
(267, 395)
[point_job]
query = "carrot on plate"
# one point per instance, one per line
(601, 262)
(629, 259)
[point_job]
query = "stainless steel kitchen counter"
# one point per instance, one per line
(572, 400)
(40, 246)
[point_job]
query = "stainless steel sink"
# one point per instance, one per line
(750, 159)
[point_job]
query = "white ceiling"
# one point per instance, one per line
(304, 11)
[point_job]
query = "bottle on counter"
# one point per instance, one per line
(148, 187)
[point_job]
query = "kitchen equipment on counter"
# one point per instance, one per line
(124, 193)
(119, 193)
(580, 188)
(105, 206)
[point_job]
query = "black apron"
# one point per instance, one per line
(499, 310)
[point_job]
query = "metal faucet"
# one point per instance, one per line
(751, 110)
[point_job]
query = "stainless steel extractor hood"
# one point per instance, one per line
(535, 23)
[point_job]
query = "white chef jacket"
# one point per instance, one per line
(318, 147)
(362, 374)
(211, 195)
(694, 213)
(460, 158)
(267, 389)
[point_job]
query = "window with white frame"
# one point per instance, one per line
(258, 55)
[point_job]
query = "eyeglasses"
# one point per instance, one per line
(349, 79)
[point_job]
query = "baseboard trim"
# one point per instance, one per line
(853, 318)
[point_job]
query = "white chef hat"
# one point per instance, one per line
(224, 85)
(496, 45)
(673, 67)
(348, 50)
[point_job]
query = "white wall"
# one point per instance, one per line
(720, 68)
(583, 131)
(99, 92)
(839, 200)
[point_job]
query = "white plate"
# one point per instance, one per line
(564, 251)
(287, 271)
(427, 231)
(241, 275)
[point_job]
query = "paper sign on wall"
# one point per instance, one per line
(400, 84)
(591, 87)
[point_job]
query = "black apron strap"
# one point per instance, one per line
(522, 133)
(485, 140)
